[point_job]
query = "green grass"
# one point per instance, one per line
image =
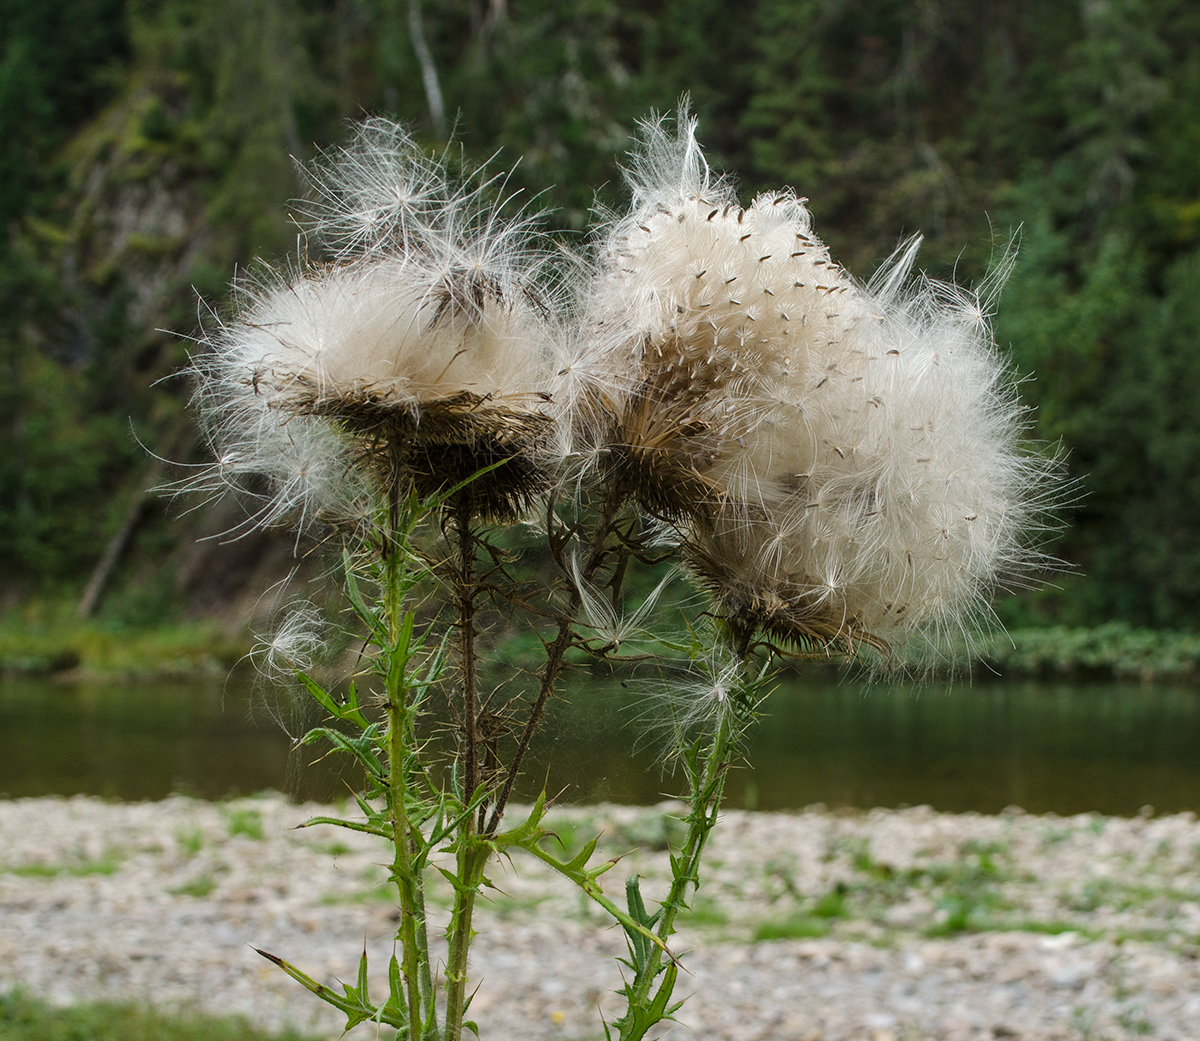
(105, 865)
(245, 821)
(832, 904)
(802, 927)
(198, 887)
(705, 912)
(23, 1018)
(191, 840)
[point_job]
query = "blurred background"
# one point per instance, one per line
(148, 148)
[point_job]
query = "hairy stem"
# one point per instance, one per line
(471, 859)
(468, 662)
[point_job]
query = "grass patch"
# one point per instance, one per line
(190, 840)
(198, 887)
(705, 911)
(247, 821)
(832, 904)
(801, 927)
(23, 1018)
(108, 864)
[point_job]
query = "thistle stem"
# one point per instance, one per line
(556, 654)
(706, 804)
(708, 787)
(471, 854)
(406, 836)
(468, 662)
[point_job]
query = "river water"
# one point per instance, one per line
(1047, 747)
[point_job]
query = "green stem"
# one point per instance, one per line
(406, 836)
(707, 791)
(706, 804)
(472, 857)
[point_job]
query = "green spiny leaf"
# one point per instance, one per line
(367, 829)
(355, 1010)
(362, 748)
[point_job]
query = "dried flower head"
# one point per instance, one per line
(426, 352)
(844, 462)
(703, 311)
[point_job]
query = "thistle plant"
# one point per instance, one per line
(837, 468)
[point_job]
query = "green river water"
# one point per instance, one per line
(1046, 747)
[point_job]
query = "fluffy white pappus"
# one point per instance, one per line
(396, 328)
(861, 445)
(298, 643)
(668, 166)
(889, 491)
(382, 197)
(440, 295)
(292, 470)
(609, 628)
(378, 192)
(701, 304)
(679, 707)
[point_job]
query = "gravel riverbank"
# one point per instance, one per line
(815, 926)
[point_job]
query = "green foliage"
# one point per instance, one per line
(245, 821)
(48, 639)
(799, 928)
(1116, 649)
(78, 867)
(197, 887)
(147, 151)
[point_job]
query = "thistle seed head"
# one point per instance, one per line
(428, 349)
(845, 462)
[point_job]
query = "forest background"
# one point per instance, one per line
(145, 154)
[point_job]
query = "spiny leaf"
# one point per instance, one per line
(362, 748)
(586, 880)
(369, 617)
(356, 1011)
(349, 712)
(396, 997)
(638, 944)
(658, 1007)
(367, 829)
